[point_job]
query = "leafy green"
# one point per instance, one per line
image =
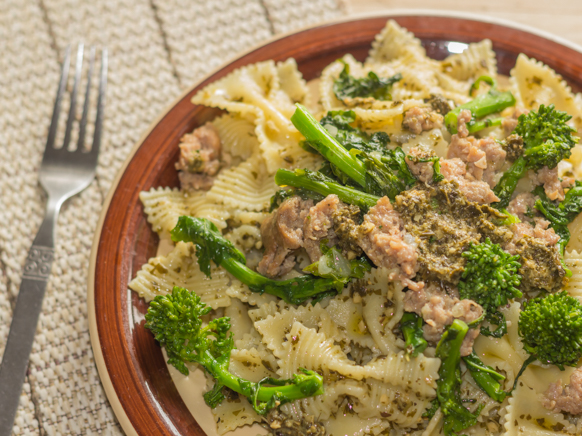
(332, 264)
(456, 416)
(377, 170)
(482, 105)
(490, 279)
(547, 140)
(437, 176)
(212, 246)
(411, 326)
(176, 322)
(338, 124)
(347, 86)
(561, 214)
(486, 377)
(551, 329)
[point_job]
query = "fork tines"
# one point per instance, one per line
(93, 152)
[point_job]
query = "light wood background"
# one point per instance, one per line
(560, 17)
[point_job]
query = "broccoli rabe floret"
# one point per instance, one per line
(547, 139)
(379, 172)
(347, 86)
(551, 329)
(482, 105)
(212, 246)
(411, 326)
(176, 321)
(456, 416)
(490, 279)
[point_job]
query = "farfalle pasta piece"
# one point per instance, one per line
(534, 83)
(246, 186)
(255, 91)
(476, 60)
(180, 268)
(394, 42)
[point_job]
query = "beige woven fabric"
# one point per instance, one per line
(156, 48)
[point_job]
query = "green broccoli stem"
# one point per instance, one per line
(320, 139)
(411, 326)
(316, 182)
(456, 416)
(482, 105)
(504, 189)
(485, 377)
(212, 246)
(303, 385)
(292, 291)
(476, 126)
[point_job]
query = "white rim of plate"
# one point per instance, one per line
(95, 342)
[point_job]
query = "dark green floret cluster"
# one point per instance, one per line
(212, 246)
(347, 86)
(551, 329)
(411, 326)
(547, 140)
(176, 322)
(489, 103)
(490, 279)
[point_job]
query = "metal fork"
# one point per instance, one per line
(63, 173)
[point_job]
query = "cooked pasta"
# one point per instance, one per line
(375, 382)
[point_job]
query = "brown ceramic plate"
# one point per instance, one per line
(130, 362)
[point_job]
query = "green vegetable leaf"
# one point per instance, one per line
(411, 326)
(347, 86)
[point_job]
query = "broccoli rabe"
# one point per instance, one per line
(347, 86)
(323, 185)
(339, 124)
(176, 321)
(437, 176)
(482, 105)
(547, 140)
(456, 416)
(490, 278)
(562, 214)
(411, 326)
(332, 264)
(486, 377)
(379, 172)
(551, 329)
(212, 246)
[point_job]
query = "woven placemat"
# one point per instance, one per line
(157, 48)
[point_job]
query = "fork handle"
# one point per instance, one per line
(25, 318)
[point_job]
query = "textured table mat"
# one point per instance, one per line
(157, 48)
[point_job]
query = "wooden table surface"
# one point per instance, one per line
(560, 17)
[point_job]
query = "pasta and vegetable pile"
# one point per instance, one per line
(391, 249)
